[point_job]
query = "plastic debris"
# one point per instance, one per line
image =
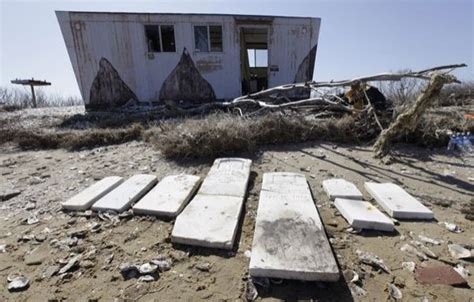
(451, 227)
(147, 268)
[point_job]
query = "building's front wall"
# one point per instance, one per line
(120, 39)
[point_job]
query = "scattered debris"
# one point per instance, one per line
(413, 251)
(429, 240)
(162, 264)
(409, 266)
(461, 270)
(9, 194)
(424, 249)
(459, 252)
(204, 267)
(18, 283)
(372, 260)
(146, 278)
(394, 292)
(251, 292)
(129, 271)
(439, 275)
(73, 262)
(356, 290)
(451, 227)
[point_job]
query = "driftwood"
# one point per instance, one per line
(408, 120)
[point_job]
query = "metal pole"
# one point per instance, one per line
(33, 96)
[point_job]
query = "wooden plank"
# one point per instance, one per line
(341, 188)
(168, 197)
(397, 202)
(121, 198)
(211, 218)
(84, 200)
(289, 240)
(363, 215)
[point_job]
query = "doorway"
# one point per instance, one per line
(253, 59)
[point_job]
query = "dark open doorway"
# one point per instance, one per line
(253, 59)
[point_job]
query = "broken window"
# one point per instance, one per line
(208, 38)
(258, 57)
(167, 38)
(160, 38)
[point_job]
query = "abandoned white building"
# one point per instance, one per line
(148, 57)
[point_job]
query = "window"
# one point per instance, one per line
(258, 57)
(160, 38)
(208, 38)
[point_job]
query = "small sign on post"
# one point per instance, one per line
(32, 83)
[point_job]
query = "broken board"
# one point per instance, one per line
(397, 202)
(125, 194)
(363, 215)
(88, 196)
(212, 216)
(289, 240)
(168, 197)
(341, 188)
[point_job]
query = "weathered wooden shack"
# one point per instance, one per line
(156, 57)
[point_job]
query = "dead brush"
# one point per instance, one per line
(72, 140)
(225, 134)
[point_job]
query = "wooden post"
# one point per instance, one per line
(33, 96)
(32, 83)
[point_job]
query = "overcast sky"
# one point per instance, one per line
(357, 37)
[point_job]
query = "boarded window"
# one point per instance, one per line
(215, 34)
(160, 38)
(208, 38)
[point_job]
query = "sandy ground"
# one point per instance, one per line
(45, 178)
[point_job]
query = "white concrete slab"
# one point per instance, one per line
(363, 215)
(209, 221)
(212, 217)
(341, 188)
(125, 194)
(289, 240)
(83, 200)
(169, 196)
(227, 176)
(397, 202)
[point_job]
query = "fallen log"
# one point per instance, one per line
(407, 121)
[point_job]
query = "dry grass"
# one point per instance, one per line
(224, 134)
(72, 140)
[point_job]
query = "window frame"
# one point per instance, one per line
(208, 25)
(161, 38)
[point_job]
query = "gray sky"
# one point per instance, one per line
(357, 37)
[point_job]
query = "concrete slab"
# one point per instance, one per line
(169, 196)
(341, 188)
(289, 240)
(87, 197)
(209, 221)
(126, 194)
(227, 176)
(212, 217)
(397, 202)
(363, 215)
